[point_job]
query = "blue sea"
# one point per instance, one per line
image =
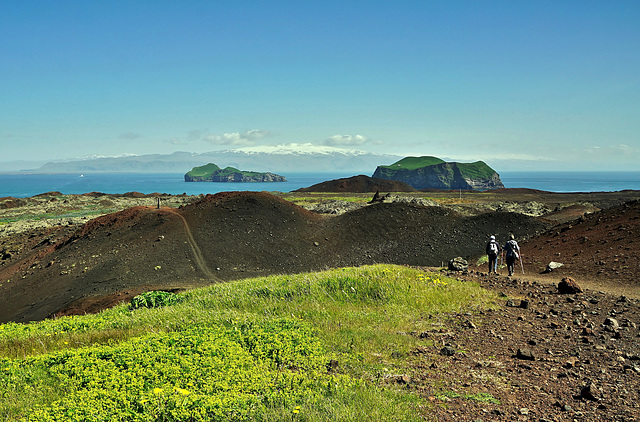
(22, 185)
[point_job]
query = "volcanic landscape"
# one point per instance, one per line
(69, 265)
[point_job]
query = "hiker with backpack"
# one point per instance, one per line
(493, 249)
(513, 253)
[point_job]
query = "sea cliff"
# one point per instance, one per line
(434, 173)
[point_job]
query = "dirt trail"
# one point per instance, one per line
(604, 286)
(197, 252)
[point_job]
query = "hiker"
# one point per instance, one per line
(493, 249)
(513, 253)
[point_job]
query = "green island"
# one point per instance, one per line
(212, 173)
(430, 172)
(313, 347)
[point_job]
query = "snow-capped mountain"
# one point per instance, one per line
(280, 159)
(299, 149)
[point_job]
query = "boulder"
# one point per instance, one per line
(525, 354)
(448, 351)
(611, 325)
(590, 391)
(552, 266)
(458, 264)
(568, 286)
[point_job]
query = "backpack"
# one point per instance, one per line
(512, 249)
(493, 248)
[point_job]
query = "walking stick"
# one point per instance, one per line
(521, 264)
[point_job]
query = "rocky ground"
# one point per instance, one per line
(540, 356)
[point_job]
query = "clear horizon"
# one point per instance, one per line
(521, 86)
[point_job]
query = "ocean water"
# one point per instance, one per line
(22, 185)
(572, 181)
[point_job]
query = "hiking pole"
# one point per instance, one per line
(521, 264)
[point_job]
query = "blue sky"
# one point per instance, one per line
(530, 85)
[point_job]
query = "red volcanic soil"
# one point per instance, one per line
(359, 184)
(603, 248)
(228, 236)
(600, 249)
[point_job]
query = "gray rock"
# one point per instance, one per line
(458, 264)
(590, 392)
(525, 354)
(448, 351)
(553, 266)
(612, 322)
(469, 324)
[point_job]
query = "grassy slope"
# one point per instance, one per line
(476, 170)
(231, 170)
(255, 349)
(412, 163)
(203, 171)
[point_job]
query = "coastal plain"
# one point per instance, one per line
(75, 254)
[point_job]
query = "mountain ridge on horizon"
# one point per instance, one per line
(260, 158)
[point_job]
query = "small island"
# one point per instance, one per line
(212, 173)
(434, 173)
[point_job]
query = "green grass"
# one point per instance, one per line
(255, 349)
(203, 171)
(412, 163)
(476, 170)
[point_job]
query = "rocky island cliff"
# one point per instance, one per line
(212, 173)
(434, 173)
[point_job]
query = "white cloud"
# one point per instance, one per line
(247, 138)
(611, 150)
(623, 148)
(346, 140)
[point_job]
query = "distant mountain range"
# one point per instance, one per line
(280, 159)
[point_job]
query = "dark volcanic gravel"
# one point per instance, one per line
(542, 355)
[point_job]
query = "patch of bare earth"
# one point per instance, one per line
(540, 356)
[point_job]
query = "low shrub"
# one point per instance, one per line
(154, 299)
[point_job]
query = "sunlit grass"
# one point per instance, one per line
(282, 331)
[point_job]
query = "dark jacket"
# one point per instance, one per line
(512, 248)
(489, 245)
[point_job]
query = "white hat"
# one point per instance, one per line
(493, 238)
